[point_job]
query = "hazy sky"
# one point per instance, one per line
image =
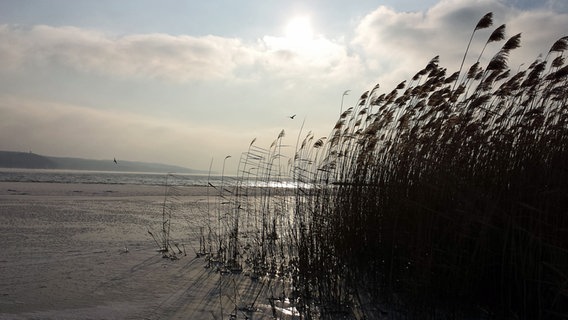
(184, 82)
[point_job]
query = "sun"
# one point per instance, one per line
(299, 29)
(300, 41)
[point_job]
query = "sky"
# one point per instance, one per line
(189, 83)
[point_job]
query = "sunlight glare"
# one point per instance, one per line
(299, 43)
(299, 29)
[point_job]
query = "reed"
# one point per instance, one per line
(446, 197)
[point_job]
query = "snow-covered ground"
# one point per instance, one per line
(82, 251)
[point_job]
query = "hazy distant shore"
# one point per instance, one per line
(29, 160)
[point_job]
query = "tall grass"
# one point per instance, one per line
(446, 197)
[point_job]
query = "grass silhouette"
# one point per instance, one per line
(446, 197)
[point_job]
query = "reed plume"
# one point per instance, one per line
(445, 197)
(440, 200)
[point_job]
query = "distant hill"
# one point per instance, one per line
(25, 160)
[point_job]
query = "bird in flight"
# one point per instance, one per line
(115, 161)
(292, 116)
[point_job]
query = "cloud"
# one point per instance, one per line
(395, 45)
(387, 43)
(162, 56)
(314, 57)
(147, 55)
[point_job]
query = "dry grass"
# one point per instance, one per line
(446, 197)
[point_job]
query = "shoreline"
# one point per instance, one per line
(29, 189)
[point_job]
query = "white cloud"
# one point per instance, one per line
(312, 58)
(177, 58)
(147, 55)
(398, 44)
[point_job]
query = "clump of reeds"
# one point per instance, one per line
(445, 197)
(252, 220)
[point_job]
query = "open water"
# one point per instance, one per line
(134, 178)
(105, 177)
